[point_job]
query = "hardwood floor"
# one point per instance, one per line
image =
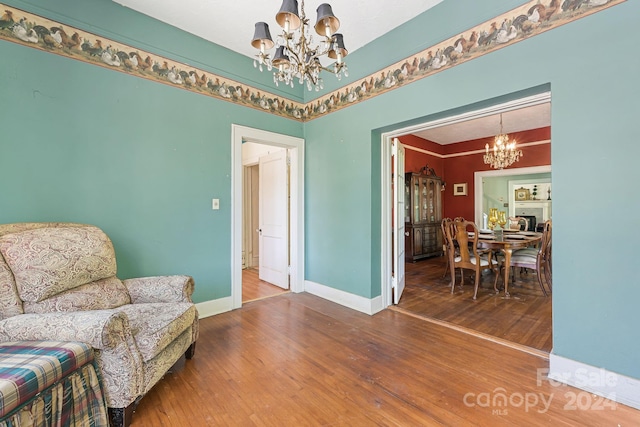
(299, 360)
(523, 319)
(254, 289)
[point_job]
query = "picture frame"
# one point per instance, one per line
(522, 194)
(460, 189)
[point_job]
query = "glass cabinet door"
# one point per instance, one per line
(423, 199)
(438, 201)
(407, 201)
(430, 200)
(416, 199)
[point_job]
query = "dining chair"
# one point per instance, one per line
(538, 259)
(465, 234)
(516, 222)
(448, 223)
(444, 225)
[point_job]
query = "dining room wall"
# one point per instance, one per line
(418, 154)
(457, 163)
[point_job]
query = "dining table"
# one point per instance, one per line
(506, 241)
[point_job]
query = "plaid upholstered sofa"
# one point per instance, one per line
(58, 282)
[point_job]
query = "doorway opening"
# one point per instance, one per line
(294, 233)
(265, 252)
(432, 270)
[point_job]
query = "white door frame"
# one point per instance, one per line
(386, 258)
(296, 220)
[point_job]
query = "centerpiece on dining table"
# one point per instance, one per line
(493, 218)
(497, 217)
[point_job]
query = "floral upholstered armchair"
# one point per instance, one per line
(58, 282)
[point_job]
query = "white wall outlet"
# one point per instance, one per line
(215, 204)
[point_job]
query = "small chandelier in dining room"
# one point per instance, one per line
(298, 59)
(504, 153)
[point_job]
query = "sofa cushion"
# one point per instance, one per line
(48, 261)
(99, 295)
(155, 325)
(10, 302)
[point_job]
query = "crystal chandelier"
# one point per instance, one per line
(504, 153)
(297, 59)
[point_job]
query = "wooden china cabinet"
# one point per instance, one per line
(423, 214)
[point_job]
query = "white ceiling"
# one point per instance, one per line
(231, 24)
(533, 117)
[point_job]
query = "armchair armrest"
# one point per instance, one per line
(160, 289)
(101, 329)
(107, 331)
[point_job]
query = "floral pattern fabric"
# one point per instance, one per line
(155, 326)
(99, 295)
(160, 289)
(58, 282)
(48, 261)
(10, 302)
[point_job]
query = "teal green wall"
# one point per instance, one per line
(495, 189)
(593, 77)
(141, 160)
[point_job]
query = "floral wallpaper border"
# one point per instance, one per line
(530, 19)
(41, 33)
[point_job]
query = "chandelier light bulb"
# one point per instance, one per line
(504, 153)
(302, 58)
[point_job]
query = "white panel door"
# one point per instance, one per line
(398, 220)
(274, 219)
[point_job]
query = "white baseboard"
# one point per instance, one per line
(213, 307)
(599, 381)
(355, 302)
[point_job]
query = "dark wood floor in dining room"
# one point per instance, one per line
(523, 319)
(299, 360)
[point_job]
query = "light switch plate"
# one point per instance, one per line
(215, 204)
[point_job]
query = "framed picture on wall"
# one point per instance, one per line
(522, 194)
(460, 189)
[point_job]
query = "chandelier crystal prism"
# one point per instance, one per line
(295, 58)
(504, 153)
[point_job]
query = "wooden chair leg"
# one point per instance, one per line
(540, 281)
(547, 275)
(495, 282)
(475, 287)
(446, 269)
(453, 276)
